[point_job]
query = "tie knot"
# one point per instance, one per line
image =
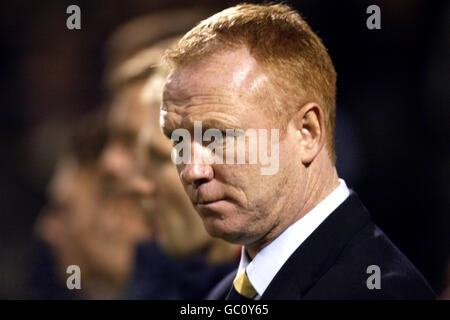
(243, 285)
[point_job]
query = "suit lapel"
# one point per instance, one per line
(222, 289)
(318, 252)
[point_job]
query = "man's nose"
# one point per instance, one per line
(198, 170)
(116, 161)
(196, 173)
(142, 186)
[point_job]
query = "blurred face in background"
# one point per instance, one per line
(65, 221)
(91, 228)
(176, 225)
(126, 118)
(73, 225)
(95, 220)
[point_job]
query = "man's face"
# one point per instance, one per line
(235, 201)
(126, 117)
(92, 229)
(71, 212)
(176, 225)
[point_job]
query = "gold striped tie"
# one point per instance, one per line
(243, 285)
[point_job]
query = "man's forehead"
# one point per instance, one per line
(232, 72)
(128, 109)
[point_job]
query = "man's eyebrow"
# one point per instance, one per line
(166, 131)
(175, 115)
(189, 124)
(167, 128)
(218, 124)
(168, 122)
(178, 98)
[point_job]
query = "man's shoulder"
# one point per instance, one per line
(370, 266)
(348, 257)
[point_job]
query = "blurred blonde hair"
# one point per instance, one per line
(135, 47)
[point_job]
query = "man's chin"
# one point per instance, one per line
(218, 229)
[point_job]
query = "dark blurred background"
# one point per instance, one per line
(392, 124)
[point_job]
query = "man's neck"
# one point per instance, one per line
(220, 251)
(319, 185)
(319, 189)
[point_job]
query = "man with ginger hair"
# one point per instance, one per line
(305, 234)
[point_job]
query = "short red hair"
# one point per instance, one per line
(290, 53)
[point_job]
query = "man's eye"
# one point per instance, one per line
(166, 131)
(168, 134)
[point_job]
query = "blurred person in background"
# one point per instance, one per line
(87, 224)
(96, 191)
(170, 267)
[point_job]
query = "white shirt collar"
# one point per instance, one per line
(266, 264)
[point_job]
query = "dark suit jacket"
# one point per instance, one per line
(158, 276)
(332, 263)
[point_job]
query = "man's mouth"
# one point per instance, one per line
(206, 197)
(203, 202)
(214, 203)
(213, 206)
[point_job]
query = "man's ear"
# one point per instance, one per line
(309, 124)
